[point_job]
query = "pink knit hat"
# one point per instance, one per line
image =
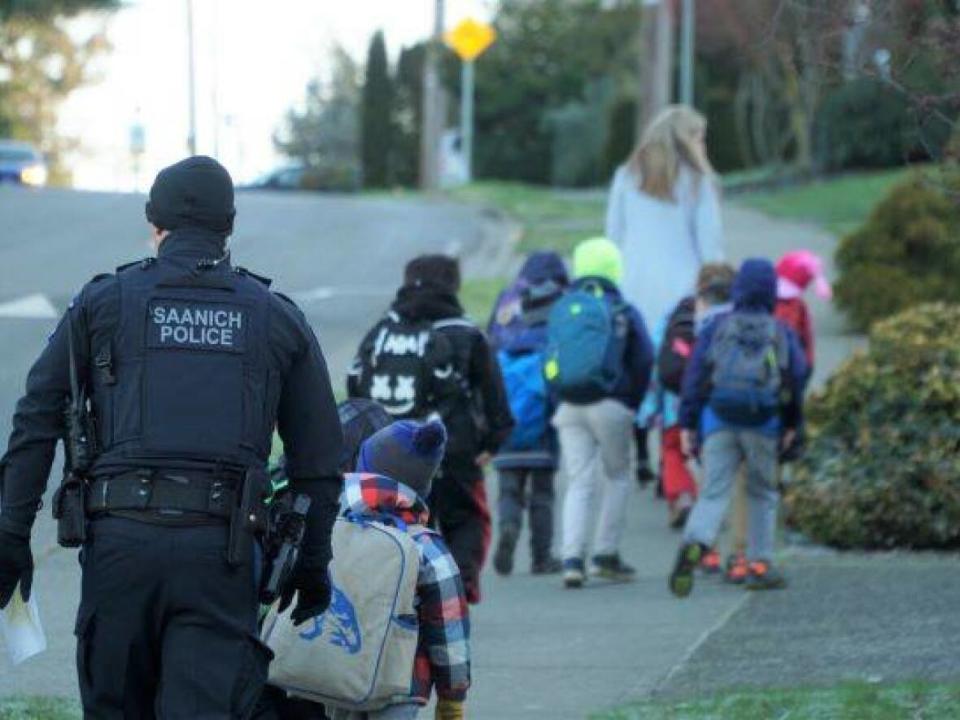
(796, 270)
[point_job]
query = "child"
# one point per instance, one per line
(796, 270)
(426, 358)
(674, 342)
(743, 395)
(395, 472)
(518, 332)
(599, 366)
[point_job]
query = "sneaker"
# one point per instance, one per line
(737, 569)
(611, 567)
(573, 575)
(710, 563)
(503, 558)
(681, 578)
(645, 475)
(764, 576)
(549, 566)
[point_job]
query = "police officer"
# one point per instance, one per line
(190, 363)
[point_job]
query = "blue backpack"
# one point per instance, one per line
(586, 343)
(527, 395)
(748, 358)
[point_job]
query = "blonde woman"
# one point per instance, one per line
(664, 212)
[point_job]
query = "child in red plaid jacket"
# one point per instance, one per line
(395, 469)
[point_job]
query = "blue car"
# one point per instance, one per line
(21, 164)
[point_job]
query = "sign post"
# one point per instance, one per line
(469, 40)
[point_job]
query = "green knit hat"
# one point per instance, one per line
(598, 257)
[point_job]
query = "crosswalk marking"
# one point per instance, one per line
(36, 306)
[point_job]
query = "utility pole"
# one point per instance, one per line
(432, 106)
(191, 85)
(656, 60)
(687, 29)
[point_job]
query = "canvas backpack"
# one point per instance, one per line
(404, 365)
(527, 394)
(748, 358)
(587, 337)
(358, 654)
(677, 346)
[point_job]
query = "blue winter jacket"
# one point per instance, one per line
(754, 291)
(514, 327)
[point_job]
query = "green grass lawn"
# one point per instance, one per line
(839, 204)
(549, 219)
(850, 701)
(38, 708)
(478, 296)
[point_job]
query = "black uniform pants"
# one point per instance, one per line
(513, 498)
(459, 510)
(166, 629)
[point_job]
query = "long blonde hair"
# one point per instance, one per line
(666, 142)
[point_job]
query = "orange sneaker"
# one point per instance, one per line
(763, 576)
(710, 563)
(737, 569)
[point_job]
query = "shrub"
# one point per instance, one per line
(867, 123)
(907, 253)
(882, 469)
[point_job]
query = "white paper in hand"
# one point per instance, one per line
(20, 628)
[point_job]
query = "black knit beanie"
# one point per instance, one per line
(196, 192)
(441, 271)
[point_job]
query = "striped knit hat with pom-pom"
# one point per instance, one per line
(406, 451)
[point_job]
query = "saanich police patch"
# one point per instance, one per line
(196, 325)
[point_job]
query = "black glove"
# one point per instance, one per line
(311, 585)
(16, 566)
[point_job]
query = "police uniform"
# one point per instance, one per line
(190, 364)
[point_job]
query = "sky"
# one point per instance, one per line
(253, 60)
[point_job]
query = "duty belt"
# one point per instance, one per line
(181, 491)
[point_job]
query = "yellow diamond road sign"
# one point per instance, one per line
(470, 39)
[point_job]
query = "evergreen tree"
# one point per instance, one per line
(376, 116)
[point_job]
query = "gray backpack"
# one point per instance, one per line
(748, 358)
(359, 654)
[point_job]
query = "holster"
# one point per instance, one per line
(249, 517)
(69, 510)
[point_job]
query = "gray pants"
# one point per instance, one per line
(512, 500)
(596, 443)
(723, 452)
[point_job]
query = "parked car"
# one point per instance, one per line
(21, 164)
(300, 177)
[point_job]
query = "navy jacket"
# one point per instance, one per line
(304, 412)
(754, 291)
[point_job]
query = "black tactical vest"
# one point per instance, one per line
(187, 376)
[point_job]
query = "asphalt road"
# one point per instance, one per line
(340, 257)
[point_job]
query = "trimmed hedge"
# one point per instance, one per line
(882, 468)
(907, 253)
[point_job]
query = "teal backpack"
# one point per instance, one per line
(586, 343)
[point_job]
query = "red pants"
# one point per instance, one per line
(677, 479)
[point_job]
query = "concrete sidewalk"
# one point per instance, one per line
(545, 652)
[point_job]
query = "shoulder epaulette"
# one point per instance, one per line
(262, 279)
(143, 264)
(284, 297)
(98, 278)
